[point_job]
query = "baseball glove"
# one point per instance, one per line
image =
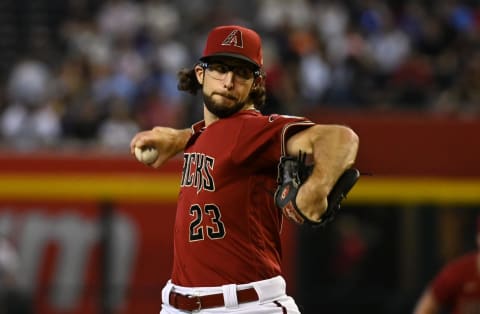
(292, 173)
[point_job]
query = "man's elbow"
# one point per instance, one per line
(351, 136)
(350, 139)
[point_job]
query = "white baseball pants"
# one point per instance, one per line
(271, 293)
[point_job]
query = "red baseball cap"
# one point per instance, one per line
(234, 41)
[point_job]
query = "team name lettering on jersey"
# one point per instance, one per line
(196, 173)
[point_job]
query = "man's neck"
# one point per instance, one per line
(210, 117)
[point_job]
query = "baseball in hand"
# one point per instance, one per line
(145, 154)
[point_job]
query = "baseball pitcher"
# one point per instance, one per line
(243, 172)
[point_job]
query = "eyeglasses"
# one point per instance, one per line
(218, 71)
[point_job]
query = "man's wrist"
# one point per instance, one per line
(182, 138)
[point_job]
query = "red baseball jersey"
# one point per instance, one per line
(227, 227)
(457, 286)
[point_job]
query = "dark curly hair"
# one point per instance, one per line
(187, 81)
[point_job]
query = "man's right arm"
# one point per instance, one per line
(427, 304)
(167, 141)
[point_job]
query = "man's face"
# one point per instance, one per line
(226, 85)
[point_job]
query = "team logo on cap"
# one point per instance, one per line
(234, 38)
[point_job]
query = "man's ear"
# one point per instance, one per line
(199, 73)
(257, 82)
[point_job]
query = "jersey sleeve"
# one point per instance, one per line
(447, 283)
(265, 138)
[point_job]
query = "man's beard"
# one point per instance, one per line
(219, 110)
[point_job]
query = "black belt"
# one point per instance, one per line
(192, 303)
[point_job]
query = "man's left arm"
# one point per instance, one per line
(333, 149)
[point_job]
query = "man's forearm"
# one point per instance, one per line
(175, 140)
(334, 150)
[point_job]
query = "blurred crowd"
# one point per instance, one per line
(107, 69)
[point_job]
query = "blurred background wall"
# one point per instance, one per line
(88, 229)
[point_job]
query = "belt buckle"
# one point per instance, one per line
(198, 301)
